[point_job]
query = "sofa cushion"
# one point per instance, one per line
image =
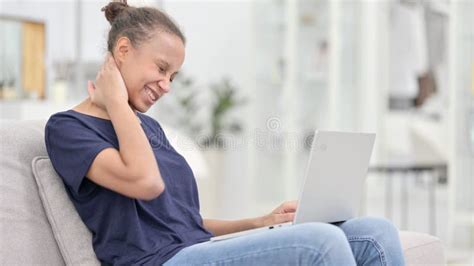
(71, 234)
(26, 237)
(422, 249)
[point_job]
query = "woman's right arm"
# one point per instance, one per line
(132, 170)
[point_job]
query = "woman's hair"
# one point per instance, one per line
(137, 23)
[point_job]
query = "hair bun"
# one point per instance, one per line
(113, 9)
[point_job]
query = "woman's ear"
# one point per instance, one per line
(122, 50)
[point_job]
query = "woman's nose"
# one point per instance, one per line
(164, 85)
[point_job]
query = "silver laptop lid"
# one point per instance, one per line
(335, 176)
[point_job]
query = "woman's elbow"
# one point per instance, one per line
(152, 189)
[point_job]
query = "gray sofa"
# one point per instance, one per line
(39, 225)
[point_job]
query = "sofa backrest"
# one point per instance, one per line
(28, 233)
(26, 237)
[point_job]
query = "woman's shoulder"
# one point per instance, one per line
(72, 115)
(69, 127)
(60, 117)
(69, 120)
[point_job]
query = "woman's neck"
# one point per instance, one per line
(88, 107)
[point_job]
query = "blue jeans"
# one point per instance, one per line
(358, 241)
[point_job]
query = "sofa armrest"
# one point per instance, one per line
(422, 249)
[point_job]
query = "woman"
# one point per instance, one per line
(138, 196)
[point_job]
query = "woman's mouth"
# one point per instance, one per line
(152, 96)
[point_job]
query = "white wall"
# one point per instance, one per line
(94, 30)
(219, 39)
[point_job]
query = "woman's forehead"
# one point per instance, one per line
(165, 48)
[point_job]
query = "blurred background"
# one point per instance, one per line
(261, 76)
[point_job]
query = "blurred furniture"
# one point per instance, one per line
(39, 224)
(404, 168)
(23, 73)
(409, 151)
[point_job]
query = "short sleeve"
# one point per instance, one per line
(72, 147)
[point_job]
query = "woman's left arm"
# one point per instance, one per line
(282, 214)
(222, 227)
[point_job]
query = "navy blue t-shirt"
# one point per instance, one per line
(126, 231)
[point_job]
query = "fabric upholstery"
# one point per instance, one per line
(422, 249)
(71, 234)
(26, 237)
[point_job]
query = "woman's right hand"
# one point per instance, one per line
(109, 87)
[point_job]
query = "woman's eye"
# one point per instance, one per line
(161, 69)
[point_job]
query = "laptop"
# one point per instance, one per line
(334, 180)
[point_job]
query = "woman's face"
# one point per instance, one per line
(149, 69)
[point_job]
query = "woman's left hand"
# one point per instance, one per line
(282, 214)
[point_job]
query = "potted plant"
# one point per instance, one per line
(224, 100)
(205, 114)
